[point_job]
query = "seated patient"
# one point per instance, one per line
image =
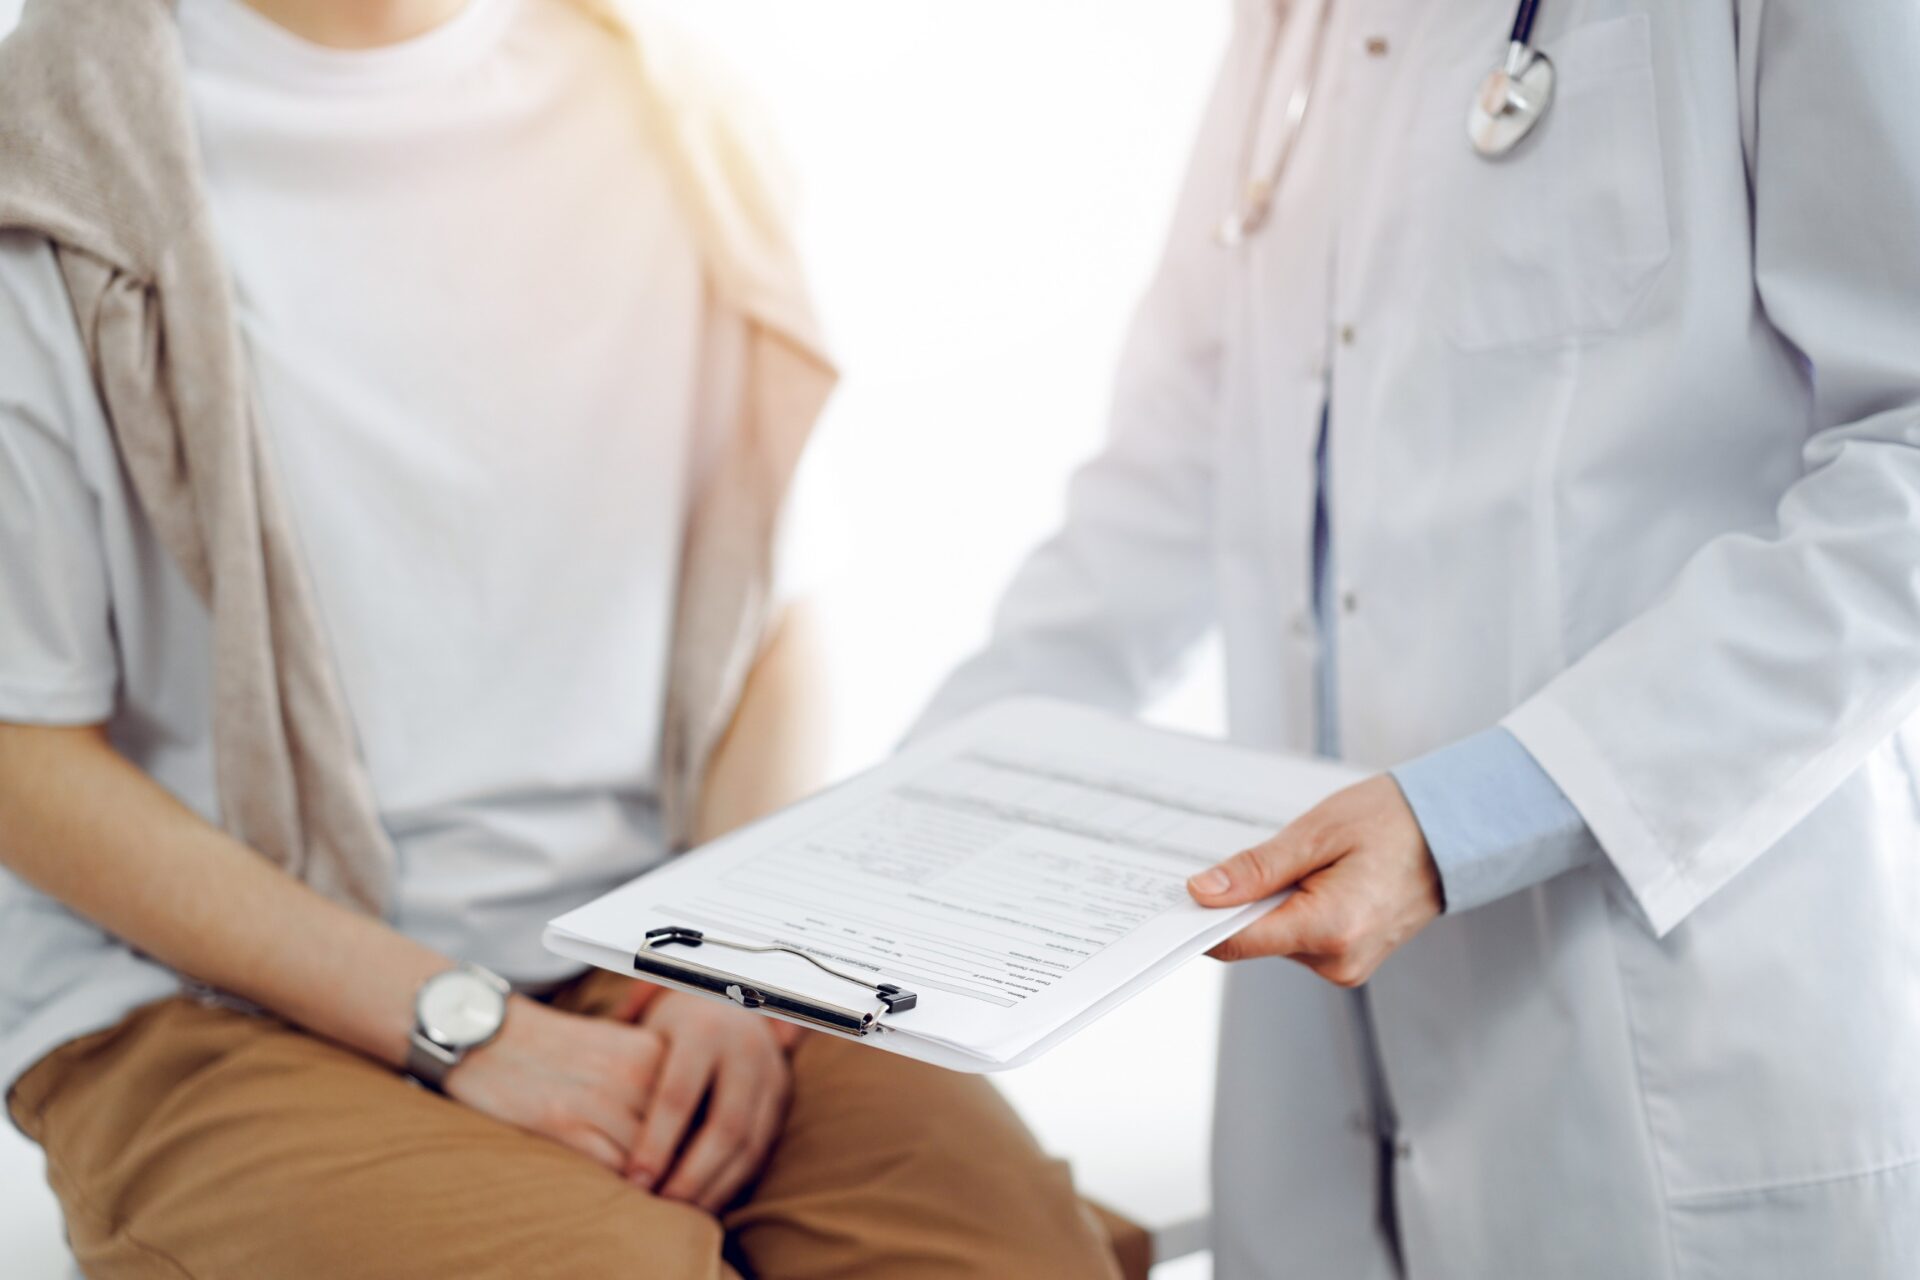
(396, 402)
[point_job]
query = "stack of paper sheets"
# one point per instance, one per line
(1023, 871)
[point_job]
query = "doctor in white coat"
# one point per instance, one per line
(1580, 489)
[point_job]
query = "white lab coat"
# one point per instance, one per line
(1625, 453)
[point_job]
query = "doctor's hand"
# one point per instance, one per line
(1364, 882)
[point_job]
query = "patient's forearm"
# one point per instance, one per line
(80, 822)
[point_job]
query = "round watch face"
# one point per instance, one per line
(458, 1010)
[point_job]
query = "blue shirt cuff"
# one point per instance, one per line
(1495, 821)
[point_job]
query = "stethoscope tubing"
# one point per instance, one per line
(1523, 16)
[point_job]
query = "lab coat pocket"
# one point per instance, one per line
(1564, 237)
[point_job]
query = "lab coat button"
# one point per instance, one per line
(1350, 603)
(1346, 335)
(1402, 1149)
(1377, 46)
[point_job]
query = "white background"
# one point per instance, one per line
(986, 190)
(987, 184)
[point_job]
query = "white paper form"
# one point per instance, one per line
(1021, 872)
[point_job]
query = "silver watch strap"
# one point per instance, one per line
(428, 1062)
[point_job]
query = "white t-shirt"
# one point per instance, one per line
(472, 314)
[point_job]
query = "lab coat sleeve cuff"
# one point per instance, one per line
(1494, 819)
(1658, 885)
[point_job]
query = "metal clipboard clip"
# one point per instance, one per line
(889, 997)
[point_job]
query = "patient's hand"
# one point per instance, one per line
(581, 1081)
(1364, 882)
(734, 1060)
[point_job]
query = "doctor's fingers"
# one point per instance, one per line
(1315, 928)
(1306, 845)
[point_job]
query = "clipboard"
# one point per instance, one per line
(889, 997)
(986, 893)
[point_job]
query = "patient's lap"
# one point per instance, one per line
(207, 1142)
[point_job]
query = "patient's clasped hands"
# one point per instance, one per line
(1364, 882)
(627, 1092)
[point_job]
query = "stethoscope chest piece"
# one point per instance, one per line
(1510, 101)
(1506, 107)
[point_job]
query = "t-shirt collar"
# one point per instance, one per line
(231, 40)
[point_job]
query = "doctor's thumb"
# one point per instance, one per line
(1256, 873)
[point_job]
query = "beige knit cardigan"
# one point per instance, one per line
(98, 155)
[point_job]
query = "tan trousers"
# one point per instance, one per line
(198, 1142)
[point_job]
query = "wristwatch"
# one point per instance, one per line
(455, 1013)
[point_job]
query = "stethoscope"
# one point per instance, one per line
(1509, 103)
